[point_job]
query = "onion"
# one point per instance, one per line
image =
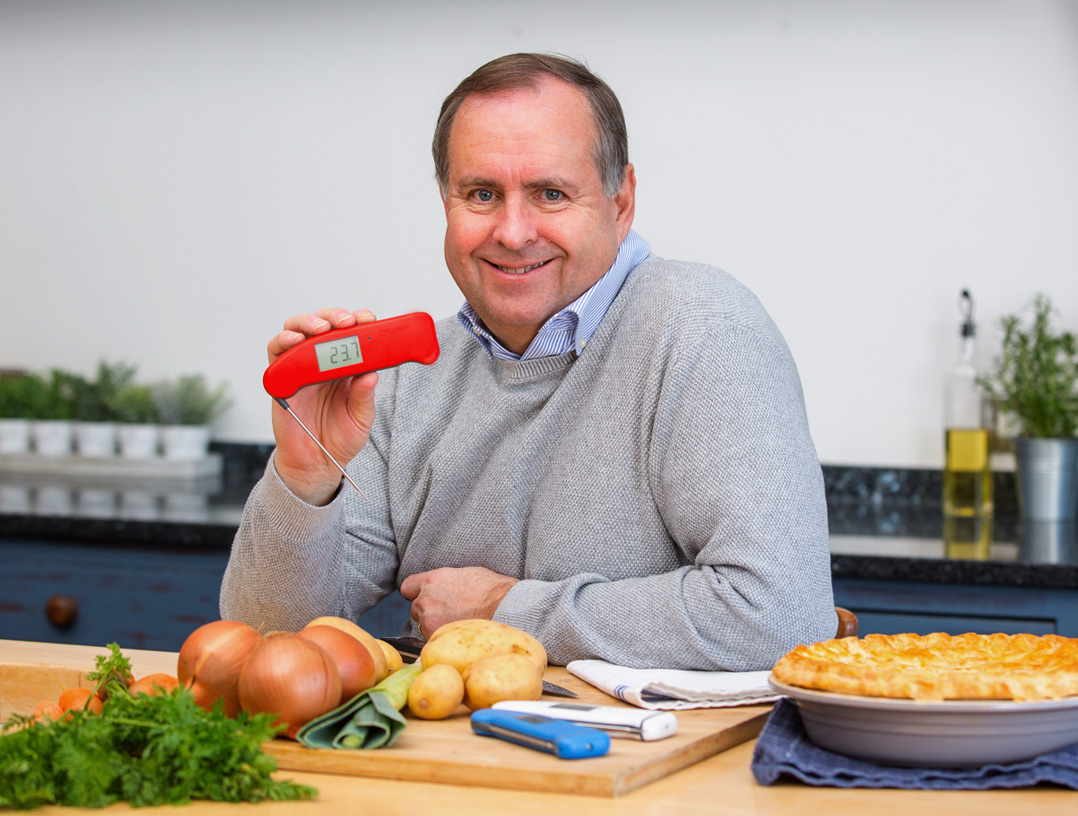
(291, 677)
(211, 659)
(359, 633)
(354, 663)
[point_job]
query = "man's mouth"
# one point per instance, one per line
(519, 270)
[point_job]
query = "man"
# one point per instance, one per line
(612, 454)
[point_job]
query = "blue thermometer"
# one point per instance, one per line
(564, 740)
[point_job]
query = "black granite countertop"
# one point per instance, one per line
(886, 523)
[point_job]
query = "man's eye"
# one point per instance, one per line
(483, 195)
(553, 195)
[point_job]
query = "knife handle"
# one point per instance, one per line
(564, 740)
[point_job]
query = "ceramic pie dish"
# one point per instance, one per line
(939, 734)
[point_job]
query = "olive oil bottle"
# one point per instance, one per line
(967, 471)
(967, 537)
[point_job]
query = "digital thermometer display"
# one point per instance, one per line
(338, 353)
(353, 351)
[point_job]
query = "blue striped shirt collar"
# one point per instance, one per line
(573, 326)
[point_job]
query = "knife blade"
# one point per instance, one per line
(410, 647)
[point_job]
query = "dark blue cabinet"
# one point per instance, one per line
(892, 607)
(139, 597)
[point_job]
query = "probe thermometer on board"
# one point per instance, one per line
(340, 353)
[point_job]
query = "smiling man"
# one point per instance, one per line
(611, 452)
(530, 227)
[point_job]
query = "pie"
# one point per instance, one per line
(937, 666)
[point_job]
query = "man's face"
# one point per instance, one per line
(528, 227)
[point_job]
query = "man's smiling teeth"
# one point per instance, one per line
(509, 270)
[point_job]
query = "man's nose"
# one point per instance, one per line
(517, 224)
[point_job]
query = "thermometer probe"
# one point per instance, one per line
(349, 352)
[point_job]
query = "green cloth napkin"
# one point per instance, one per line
(371, 719)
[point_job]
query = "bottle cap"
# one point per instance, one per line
(969, 329)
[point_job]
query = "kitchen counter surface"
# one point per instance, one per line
(886, 524)
(722, 783)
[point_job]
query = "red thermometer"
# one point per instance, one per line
(341, 353)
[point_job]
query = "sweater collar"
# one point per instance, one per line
(572, 327)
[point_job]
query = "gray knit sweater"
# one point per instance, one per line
(659, 495)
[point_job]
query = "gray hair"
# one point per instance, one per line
(516, 71)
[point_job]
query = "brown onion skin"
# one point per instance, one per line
(354, 663)
(211, 660)
(291, 677)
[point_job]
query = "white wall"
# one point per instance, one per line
(178, 177)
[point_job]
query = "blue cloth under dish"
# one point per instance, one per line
(784, 749)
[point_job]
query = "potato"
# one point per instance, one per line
(462, 643)
(364, 637)
(394, 661)
(436, 692)
(501, 677)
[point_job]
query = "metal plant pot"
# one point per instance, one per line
(1047, 478)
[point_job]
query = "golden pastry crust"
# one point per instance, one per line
(937, 666)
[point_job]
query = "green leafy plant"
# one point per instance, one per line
(93, 398)
(1035, 376)
(19, 394)
(189, 400)
(134, 403)
(143, 750)
(52, 396)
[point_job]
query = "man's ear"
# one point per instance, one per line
(625, 199)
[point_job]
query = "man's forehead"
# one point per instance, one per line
(551, 93)
(522, 108)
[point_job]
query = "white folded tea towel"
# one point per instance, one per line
(675, 688)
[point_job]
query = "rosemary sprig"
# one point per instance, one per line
(1035, 378)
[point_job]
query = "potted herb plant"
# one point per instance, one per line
(95, 428)
(1035, 383)
(17, 398)
(186, 406)
(51, 429)
(138, 431)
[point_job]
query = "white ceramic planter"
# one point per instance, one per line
(14, 499)
(14, 436)
(52, 437)
(184, 442)
(138, 504)
(94, 503)
(95, 439)
(53, 500)
(181, 506)
(138, 441)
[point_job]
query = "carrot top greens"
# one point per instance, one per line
(145, 751)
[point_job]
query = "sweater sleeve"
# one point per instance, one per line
(292, 562)
(734, 474)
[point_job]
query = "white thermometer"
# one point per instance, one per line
(629, 722)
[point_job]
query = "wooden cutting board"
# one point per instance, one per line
(444, 751)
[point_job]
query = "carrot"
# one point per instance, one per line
(46, 711)
(80, 699)
(153, 684)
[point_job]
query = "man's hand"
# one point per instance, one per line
(450, 593)
(340, 413)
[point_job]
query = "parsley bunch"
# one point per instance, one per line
(145, 751)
